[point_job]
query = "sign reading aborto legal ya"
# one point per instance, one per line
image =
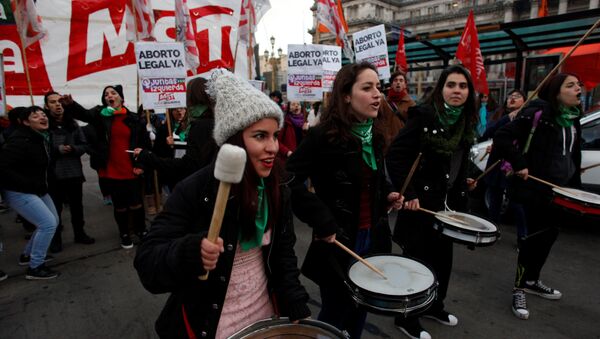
(311, 70)
(370, 45)
(162, 71)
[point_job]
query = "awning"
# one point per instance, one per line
(585, 62)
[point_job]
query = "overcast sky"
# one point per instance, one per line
(288, 21)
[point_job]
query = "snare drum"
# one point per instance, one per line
(283, 328)
(476, 231)
(410, 286)
(577, 201)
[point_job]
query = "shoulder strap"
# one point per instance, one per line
(536, 120)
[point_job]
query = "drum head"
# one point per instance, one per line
(472, 223)
(579, 195)
(404, 276)
(283, 328)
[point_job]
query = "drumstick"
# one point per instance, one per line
(589, 167)
(488, 170)
(229, 169)
(410, 174)
(442, 216)
(358, 257)
(548, 183)
(484, 156)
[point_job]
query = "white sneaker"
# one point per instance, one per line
(539, 289)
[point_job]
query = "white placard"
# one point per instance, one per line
(305, 73)
(160, 59)
(332, 62)
(371, 45)
(163, 92)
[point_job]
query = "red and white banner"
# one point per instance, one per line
(86, 47)
(330, 15)
(29, 23)
(469, 53)
(141, 24)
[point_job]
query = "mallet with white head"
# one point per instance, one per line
(229, 169)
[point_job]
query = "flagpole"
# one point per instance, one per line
(25, 63)
(250, 51)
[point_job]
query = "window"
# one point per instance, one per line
(590, 133)
(414, 13)
(378, 12)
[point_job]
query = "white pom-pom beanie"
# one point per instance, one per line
(238, 105)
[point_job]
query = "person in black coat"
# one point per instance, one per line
(443, 130)
(116, 130)
(23, 179)
(343, 157)
(253, 267)
(554, 155)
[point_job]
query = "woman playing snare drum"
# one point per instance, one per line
(442, 129)
(554, 155)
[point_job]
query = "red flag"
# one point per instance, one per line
(331, 16)
(29, 23)
(142, 19)
(401, 54)
(469, 53)
(186, 34)
(543, 10)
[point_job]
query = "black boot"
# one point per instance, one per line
(56, 243)
(82, 238)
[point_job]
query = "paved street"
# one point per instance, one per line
(98, 294)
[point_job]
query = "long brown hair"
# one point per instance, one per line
(337, 118)
(247, 195)
(551, 89)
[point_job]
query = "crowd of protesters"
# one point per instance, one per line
(338, 167)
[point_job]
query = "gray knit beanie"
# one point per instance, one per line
(238, 105)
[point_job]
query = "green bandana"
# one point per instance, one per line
(364, 131)
(450, 116)
(197, 111)
(107, 111)
(262, 216)
(567, 115)
(183, 133)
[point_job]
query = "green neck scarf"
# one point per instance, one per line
(107, 111)
(197, 111)
(181, 133)
(364, 131)
(567, 115)
(450, 116)
(262, 216)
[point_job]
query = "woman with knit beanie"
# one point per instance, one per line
(442, 129)
(554, 155)
(23, 174)
(117, 130)
(343, 157)
(253, 267)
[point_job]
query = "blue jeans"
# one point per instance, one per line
(40, 211)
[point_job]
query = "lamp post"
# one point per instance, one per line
(274, 61)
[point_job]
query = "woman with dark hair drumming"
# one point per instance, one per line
(253, 267)
(554, 155)
(343, 156)
(443, 130)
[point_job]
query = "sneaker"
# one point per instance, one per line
(141, 234)
(519, 304)
(126, 242)
(24, 259)
(412, 329)
(539, 289)
(442, 317)
(84, 239)
(40, 273)
(3, 275)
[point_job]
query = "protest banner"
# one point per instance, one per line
(162, 70)
(332, 62)
(2, 88)
(371, 45)
(305, 72)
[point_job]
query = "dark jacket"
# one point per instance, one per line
(201, 150)
(101, 129)
(67, 165)
(541, 153)
(24, 167)
(168, 260)
(335, 170)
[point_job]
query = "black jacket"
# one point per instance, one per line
(24, 162)
(66, 165)
(100, 133)
(335, 170)
(168, 259)
(540, 155)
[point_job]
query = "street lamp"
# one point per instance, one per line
(274, 61)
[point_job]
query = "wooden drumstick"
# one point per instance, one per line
(229, 169)
(548, 183)
(488, 170)
(484, 156)
(407, 180)
(442, 216)
(359, 258)
(589, 167)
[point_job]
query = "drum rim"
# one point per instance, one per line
(466, 230)
(560, 192)
(283, 321)
(353, 285)
(457, 229)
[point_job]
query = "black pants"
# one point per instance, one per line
(70, 190)
(541, 235)
(125, 195)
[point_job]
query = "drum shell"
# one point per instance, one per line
(576, 206)
(379, 303)
(282, 328)
(475, 236)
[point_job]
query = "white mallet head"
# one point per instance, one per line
(230, 164)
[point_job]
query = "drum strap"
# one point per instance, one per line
(536, 120)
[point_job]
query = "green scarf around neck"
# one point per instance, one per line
(262, 216)
(197, 111)
(181, 133)
(450, 116)
(364, 131)
(567, 115)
